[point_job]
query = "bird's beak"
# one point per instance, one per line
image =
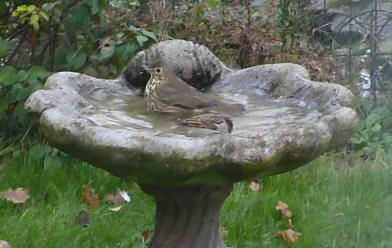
(147, 68)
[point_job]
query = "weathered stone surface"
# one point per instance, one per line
(187, 216)
(195, 64)
(290, 120)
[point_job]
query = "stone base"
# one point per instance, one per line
(188, 216)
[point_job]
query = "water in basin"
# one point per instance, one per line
(125, 110)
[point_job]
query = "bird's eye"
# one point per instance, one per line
(158, 70)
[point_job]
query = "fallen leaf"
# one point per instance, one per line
(223, 231)
(115, 209)
(19, 195)
(283, 208)
(236, 36)
(118, 198)
(145, 235)
(289, 236)
(115, 199)
(90, 196)
(254, 186)
(83, 219)
(4, 244)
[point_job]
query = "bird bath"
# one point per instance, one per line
(289, 121)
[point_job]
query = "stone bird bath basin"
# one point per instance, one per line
(289, 121)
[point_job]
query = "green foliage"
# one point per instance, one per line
(285, 22)
(214, 4)
(39, 37)
(3, 48)
(360, 4)
(30, 13)
(374, 131)
(17, 86)
(336, 201)
(125, 3)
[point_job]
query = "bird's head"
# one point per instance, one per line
(160, 71)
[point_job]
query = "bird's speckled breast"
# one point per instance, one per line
(151, 95)
(153, 99)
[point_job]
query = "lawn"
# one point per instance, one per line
(338, 200)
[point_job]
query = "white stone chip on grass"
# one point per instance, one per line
(124, 195)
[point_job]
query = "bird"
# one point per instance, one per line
(166, 92)
(217, 122)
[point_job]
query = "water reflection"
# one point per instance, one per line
(124, 110)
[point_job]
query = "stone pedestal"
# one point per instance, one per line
(187, 216)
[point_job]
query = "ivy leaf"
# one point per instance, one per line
(37, 73)
(76, 61)
(356, 139)
(213, 4)
(8, 76)
(149, 34)
(30, 8)
(22, 8)
(79, 17)
(34, 21)
(141, 39)
(49, 6)
(127, 49)
(44, 15)
(18, 92)
(376, 128)
(3, 48)
(94, 5)
(372, 119)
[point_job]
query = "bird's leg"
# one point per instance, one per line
(187, 216)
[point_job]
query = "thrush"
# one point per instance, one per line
(166, 92)
(217, 122)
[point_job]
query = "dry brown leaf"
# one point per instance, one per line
(4, 244)
(236, 36)
(114, 198)
(283, 208)
(289, 236)
(90, 196)
(145, 235)
(287, 213)
(223, 231)
(115, 209)
(19, 195)
(254, 186)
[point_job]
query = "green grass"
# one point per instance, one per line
(337, 201)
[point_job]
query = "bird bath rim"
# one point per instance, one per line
(149, 156)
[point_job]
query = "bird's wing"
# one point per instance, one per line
(180, 94)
